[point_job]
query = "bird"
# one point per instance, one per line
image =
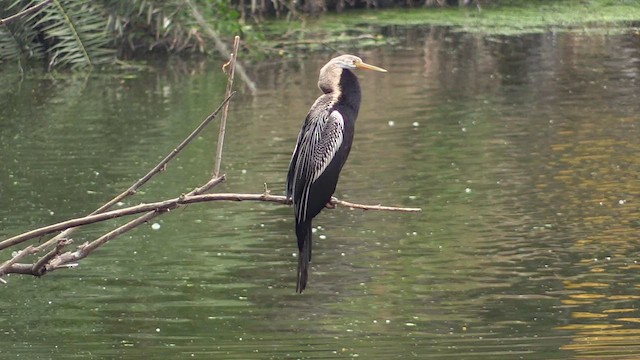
(322, 148)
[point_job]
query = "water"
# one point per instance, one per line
(522, 152)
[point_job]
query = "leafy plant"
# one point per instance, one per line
(152, 26)
(75, 33)
(66, 32)
(18, 39)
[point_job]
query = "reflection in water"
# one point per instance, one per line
(522, 151)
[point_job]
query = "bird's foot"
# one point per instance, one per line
(330, 205)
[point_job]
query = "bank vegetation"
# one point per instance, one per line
(81, 34)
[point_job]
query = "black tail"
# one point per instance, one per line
(303, 232)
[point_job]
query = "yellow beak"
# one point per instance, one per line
(362, 65)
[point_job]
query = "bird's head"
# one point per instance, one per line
(331, 73)
(353, 62)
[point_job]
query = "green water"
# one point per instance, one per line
(522, 152)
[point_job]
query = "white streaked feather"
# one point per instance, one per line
(317, 148)
(328, 144)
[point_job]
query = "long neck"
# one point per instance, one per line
(350, 94)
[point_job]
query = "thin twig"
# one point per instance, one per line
(45, 263)
(24, 12)
(336, 201)
(211, 183)
(23, 253)
(84, 251)
(39, 267)
(223, 122)
(155, 170)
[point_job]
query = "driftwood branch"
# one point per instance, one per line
(56, 258)
(172, 204)
(161, 166)
(151, 210)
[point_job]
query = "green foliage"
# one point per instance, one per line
(85, 33)
(74, 31)
(66, 32)
(143, 26)
(18, 39)
(226, 18)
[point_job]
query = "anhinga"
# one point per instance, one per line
(322, 149)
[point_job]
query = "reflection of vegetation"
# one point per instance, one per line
(82, 33)
(494, 20)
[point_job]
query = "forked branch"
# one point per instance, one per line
(57, 258)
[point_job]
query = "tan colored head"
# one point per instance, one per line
(352, 62)
(331, 72)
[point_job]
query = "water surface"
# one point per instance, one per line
(522, 152)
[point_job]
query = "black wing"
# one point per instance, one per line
(319, 140)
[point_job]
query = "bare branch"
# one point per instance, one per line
(39, 267)
(84, 251)
(19, 256)
(143, 180)
(161, 165)
(55, 259)
(211, 183)
(336, 201)
(172, 204)
(87, 249)
(223, 122)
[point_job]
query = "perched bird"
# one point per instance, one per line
(322, 149)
